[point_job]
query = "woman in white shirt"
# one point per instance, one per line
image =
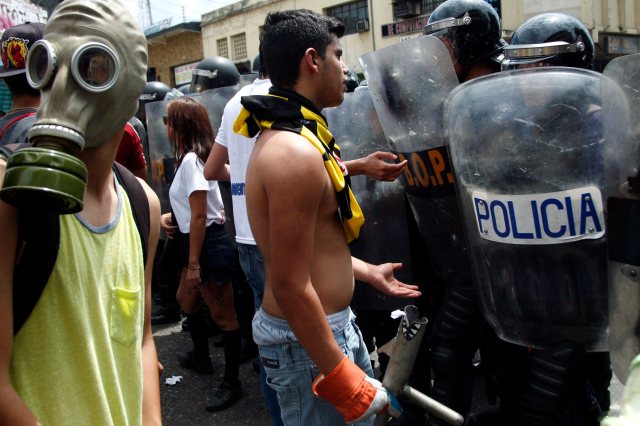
(207, 251)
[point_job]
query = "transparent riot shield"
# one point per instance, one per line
(409, 82)
(161, 159)
(384, 236)
(621, 112)
(527, 149)
(246, 79)
(214, 101)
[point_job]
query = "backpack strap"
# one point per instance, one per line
(139, 203)
(36, 254)
(18, 118)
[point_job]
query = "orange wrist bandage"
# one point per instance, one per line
(355, 395)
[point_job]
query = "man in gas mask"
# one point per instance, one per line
(86, 349)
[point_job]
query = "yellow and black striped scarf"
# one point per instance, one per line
(286, 110)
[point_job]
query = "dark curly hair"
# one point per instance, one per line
(287, 35)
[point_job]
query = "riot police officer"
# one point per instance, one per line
(559, 39)
(214, 72)
(550, 315)
(153, 91)
(353, 81)
(166, 309)
(471, 30)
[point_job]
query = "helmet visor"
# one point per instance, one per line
(536, 55)
(203, 80)
(445, 24)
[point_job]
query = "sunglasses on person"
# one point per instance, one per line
(164, 119)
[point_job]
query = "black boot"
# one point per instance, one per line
(197, 360)
(225, 396)
(230, 390)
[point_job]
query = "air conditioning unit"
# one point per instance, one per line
(406, 8)
(362, 25)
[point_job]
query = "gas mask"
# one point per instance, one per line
(90, 67)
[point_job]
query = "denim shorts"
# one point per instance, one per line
(216, 256)
(290, 371)
(252, 265)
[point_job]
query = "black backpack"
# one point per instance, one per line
(39, 238)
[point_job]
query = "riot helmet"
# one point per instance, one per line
(353, 80)
(153, 91)
(550, 39)
(214, 72)
(470, 28)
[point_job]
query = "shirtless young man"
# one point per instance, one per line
(302, 219)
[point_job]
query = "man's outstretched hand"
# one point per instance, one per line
(381, 166)
(383, 279)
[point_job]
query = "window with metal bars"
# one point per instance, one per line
(427, 6)
(239, 47)
(349, 14)
(223, 47)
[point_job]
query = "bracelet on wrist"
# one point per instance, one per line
(193, 268)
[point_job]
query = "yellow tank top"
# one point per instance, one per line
(77, 359)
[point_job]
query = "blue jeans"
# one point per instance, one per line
(291, 372)
(252, 265)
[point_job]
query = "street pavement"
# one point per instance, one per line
(183, 404)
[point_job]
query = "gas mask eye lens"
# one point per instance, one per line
(95, 67)
(41, 63)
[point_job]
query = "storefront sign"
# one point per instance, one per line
(404, 27)
(182, 73)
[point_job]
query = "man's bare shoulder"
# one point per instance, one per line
(282, 155)
(288, 148)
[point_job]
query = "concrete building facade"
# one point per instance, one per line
(173, 52)
(233, 31)
(373, 24)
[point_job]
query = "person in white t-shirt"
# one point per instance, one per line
(236, 149)
(207, 253)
